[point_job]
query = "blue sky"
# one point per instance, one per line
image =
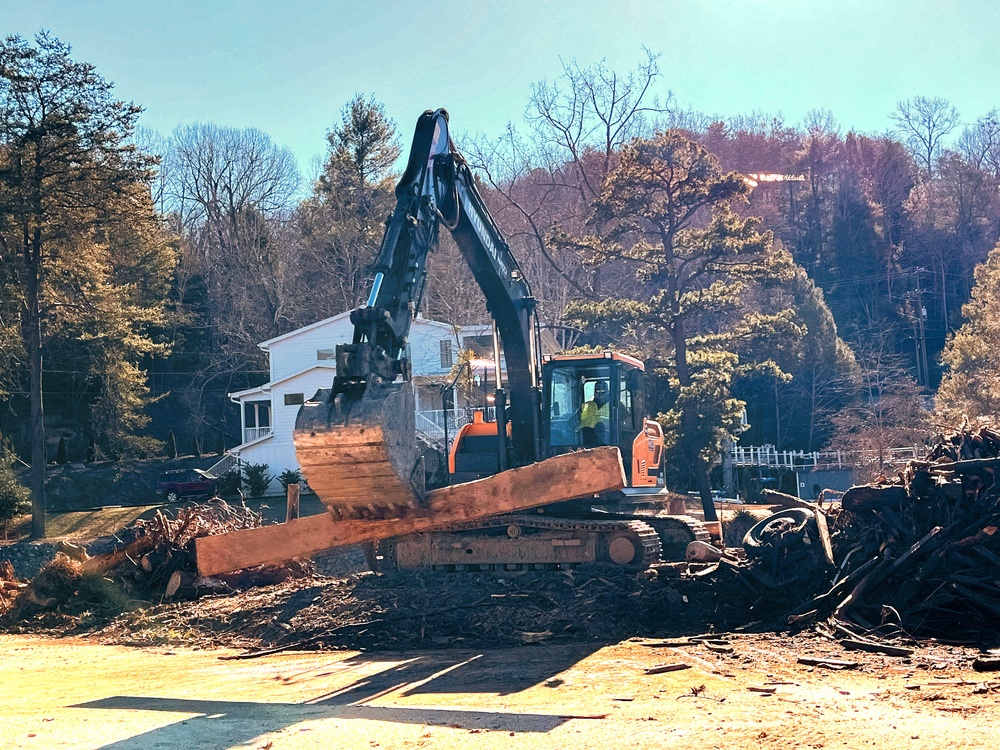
(289, 67)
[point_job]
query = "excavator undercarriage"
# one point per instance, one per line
(538, 542)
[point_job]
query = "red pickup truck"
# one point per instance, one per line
(181, 483)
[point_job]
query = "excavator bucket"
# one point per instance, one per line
(360, 457)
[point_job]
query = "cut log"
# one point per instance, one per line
(873, 496)
(556, 479)
(789, 501)
(100, 564)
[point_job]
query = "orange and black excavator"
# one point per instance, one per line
(356, 442)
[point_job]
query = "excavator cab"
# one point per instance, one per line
(597, 399)
(588, 400)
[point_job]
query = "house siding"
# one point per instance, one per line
(296, 353)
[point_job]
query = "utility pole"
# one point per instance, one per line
(921, 314)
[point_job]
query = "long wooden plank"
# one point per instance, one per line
(556, 479)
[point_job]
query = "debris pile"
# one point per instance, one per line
(600, 603)
(153, 559)
(919, 555)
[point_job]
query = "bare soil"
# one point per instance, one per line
(75, 693)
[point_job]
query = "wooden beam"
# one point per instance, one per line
(564, 477)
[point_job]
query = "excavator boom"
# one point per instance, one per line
(356, 442)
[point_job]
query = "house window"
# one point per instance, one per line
(293, 399)
(446, 358)
(257, 413)
(326, 354)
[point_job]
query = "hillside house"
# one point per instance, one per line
(303, 361)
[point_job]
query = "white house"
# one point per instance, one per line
(303, 361)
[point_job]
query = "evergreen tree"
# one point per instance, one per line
(68, 178)
(971, 385)
(664, 213)
(343, 221)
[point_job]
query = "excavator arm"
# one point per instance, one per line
(359, 435)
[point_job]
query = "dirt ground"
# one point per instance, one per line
(79, 694)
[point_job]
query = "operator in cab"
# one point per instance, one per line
(594, 417)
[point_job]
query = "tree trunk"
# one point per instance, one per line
(33, 322)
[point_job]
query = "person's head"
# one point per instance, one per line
(600, 392)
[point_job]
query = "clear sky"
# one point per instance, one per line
(288, 67)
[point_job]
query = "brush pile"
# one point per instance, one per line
(151, 560)
(920, 554)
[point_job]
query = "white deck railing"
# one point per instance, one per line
(768, 455)
(430, 422)
(771, 457)
(255, 433)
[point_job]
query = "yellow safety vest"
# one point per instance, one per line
(591, 414)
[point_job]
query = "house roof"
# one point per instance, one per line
(268, 386)
(266, 345)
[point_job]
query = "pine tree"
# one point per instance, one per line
(664, 217)
(343, 221)
(69, 182)
(971, 385)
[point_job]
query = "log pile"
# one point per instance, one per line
(919, 554)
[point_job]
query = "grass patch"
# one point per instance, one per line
(86, 524)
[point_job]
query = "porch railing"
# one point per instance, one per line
(255, 433)
(430, 422)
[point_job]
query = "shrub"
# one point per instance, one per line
(15, 498)
(229, 483)
(257, 479)
(737, 527)
(289, 476)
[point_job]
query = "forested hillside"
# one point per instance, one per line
(811, 274)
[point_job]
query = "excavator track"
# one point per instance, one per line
(519, 542)
(675, 532)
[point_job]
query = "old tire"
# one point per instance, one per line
(781, 530)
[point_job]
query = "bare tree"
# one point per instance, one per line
(548, 175)
(922, 123)
(230, 195)
(980, 143)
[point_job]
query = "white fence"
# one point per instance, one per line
(431, 422)
(771, 457)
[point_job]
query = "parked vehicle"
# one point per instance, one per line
(183, 483)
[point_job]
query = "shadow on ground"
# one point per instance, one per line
(223, 724)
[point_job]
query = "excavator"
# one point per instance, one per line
(356, 442)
